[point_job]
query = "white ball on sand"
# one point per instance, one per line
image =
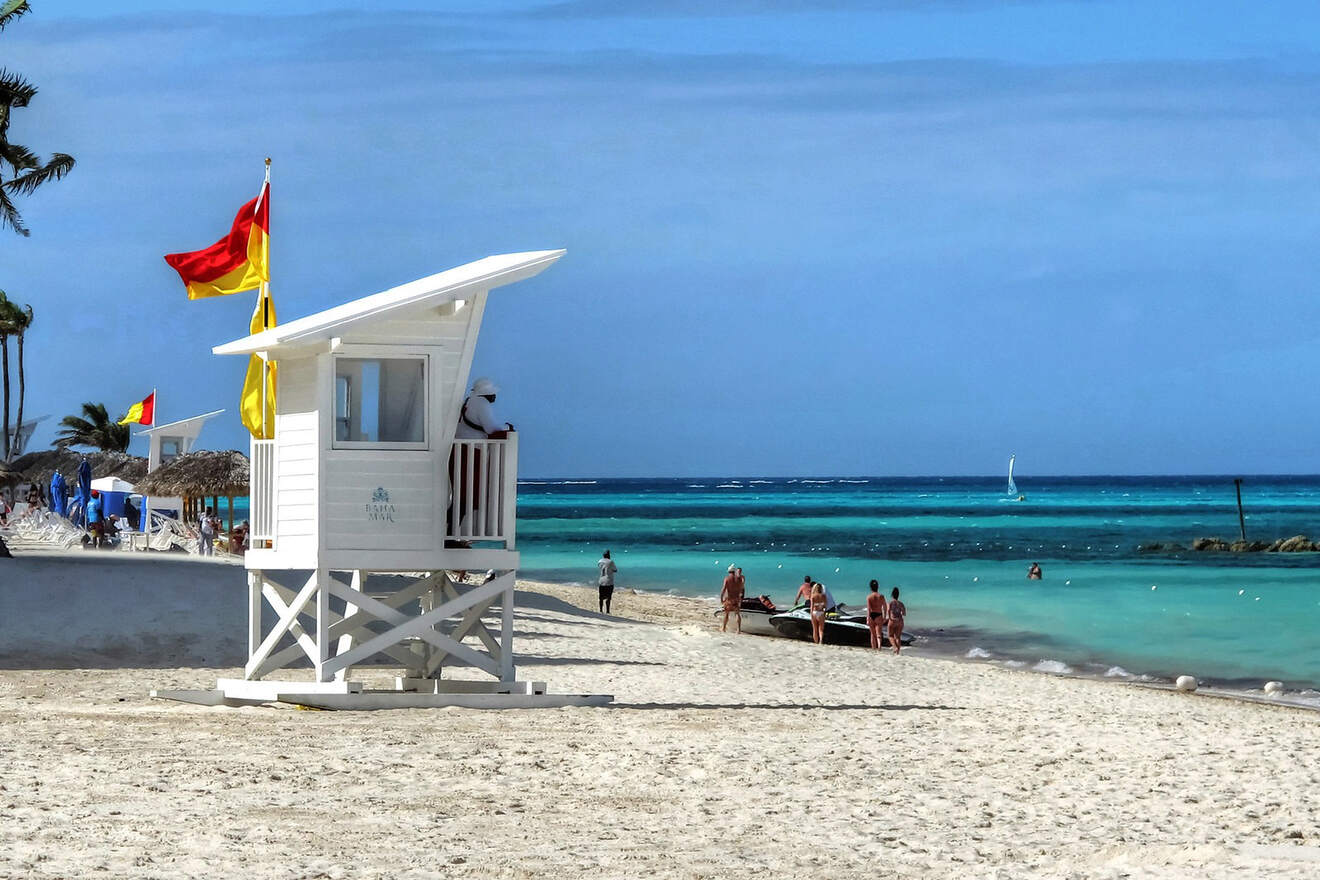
(1273, 688)
(1186, 683)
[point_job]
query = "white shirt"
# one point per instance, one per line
(607, 570)
(478, 412)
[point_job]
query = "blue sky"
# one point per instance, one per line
(823, 237)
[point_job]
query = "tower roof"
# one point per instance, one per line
(458, 283)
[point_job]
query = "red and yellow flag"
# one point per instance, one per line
(142, 413)
(240, 261)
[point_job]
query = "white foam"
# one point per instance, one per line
(977, 653)
(1117, 672)
(1014, 664)
(1054, 667)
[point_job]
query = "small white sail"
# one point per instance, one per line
(1012, 486)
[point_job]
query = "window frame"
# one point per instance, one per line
(381, 353)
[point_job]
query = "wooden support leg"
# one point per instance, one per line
(506, 634)
(323, 622)
(346, 640)
(254, 611)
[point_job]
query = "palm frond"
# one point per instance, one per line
(9, 215)
(18, 156)
(14, 90)
(13, 10)
(58, 166)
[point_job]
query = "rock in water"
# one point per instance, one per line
(1273, 688)
(1296, 544)
(1186, 683)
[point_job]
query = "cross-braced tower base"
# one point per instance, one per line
(423, 626)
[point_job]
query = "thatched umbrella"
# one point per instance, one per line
(10, 475)
(199, 475)
(39, 467)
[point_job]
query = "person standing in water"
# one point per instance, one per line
(877, 614)
(731, 597)
(606, 581)
(1034, 573)
(897, 611)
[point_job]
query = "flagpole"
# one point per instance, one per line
(154, 402)
(265, 320)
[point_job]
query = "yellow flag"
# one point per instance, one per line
(263, 318)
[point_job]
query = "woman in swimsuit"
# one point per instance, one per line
(897, 611)
(817, 613)
(876, 615)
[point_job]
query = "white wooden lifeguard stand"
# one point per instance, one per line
(358, 481)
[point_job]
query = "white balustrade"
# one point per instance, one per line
(261, 492)
(483, 479)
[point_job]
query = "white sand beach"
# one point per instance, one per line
(723, 756)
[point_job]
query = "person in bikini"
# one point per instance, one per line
(731, 597)
(817, 613)
(897, 611)
(877, 614)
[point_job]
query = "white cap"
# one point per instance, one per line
(484, 386)
(732, 567)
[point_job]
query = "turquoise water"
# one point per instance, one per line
(959, 550)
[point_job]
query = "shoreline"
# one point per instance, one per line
(927, 643)
(721, 756)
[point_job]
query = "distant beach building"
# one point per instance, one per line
(21, 435)
(167, 442)
(364, 479)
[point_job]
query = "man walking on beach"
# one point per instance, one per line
(606, 581)
(731, 597)
(206, 526)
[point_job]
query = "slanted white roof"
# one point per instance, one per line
(182, 426)
(434, 290)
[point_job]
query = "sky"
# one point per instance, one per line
(821, 237)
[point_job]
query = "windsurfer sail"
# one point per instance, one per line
(1012, 487)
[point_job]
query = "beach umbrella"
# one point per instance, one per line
(82, 494)
(58, 494)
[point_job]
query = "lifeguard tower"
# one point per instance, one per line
(364, 484)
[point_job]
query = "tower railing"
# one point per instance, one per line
(483, 480)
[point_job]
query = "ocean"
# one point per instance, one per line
(959, 549)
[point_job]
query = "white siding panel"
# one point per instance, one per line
(381, 500)
(296, 458)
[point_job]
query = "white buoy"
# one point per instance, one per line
(1273, 688)
(1152, 586)
(1186, 683)
(1240, 592)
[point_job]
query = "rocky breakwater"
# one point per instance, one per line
(1295, 544)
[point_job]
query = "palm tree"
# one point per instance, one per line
(22, 320)
(96, 429)
(25, 170)
(8, 325)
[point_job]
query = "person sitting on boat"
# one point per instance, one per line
(1034, 573)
